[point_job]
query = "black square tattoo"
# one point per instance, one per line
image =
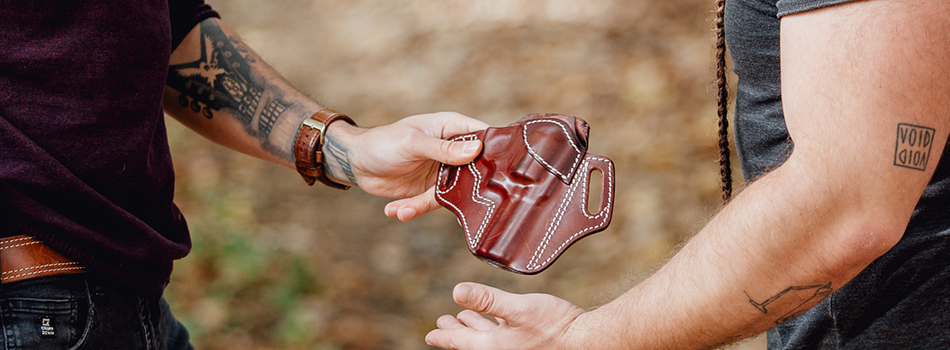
(913, 146)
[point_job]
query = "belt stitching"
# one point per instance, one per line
(19, 245)
(7, 240)
(40, 267)
(4, 244)
(42, 271)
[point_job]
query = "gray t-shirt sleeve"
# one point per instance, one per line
(790, 7)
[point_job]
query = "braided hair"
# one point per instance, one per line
(725, 166)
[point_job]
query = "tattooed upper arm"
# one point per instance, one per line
(914, 143)
(220, 78)
(864, 87)
(223, 81)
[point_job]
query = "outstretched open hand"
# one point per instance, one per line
(524, 321)
(401, 160)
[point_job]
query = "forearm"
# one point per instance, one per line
(785, 243)
(755, 265)
(220, 88)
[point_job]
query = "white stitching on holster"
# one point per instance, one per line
(541, 160)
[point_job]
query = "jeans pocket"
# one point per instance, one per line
(49, 319)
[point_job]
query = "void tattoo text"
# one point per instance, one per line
(913, 146)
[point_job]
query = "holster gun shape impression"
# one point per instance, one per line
(523, 200)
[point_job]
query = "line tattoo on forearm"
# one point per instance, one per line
(339, 153)
(914, 143)
(816, 291)
(222, 78)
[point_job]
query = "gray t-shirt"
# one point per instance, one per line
(900, 301)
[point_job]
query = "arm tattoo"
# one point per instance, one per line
(222, 79)
(820, 292)
(339, 153)
(913, 146)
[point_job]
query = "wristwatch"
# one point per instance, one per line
(307, 147)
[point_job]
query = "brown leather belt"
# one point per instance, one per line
(22, 258)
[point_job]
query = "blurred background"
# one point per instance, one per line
(279, 265)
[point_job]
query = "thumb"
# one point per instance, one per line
(488, 300)
(451, 152)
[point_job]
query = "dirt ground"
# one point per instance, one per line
(279, 265)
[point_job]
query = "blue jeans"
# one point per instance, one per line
(79, 312)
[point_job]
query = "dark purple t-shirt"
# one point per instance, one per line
(84, 159)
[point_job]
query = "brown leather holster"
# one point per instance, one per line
(523, 200)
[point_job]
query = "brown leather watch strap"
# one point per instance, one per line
(307, 148)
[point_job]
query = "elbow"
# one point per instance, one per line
(861, 244)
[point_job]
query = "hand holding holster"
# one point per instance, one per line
(523, 200)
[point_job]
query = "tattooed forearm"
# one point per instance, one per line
(338, 153)
(913, 146)
(800, 301)
(222, 79)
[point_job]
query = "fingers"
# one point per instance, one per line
(411, 208)
(472, 319)
(448, 322)
(459, 338)
(444, 338)
(490, 301)
(529, 321)
(467, 332)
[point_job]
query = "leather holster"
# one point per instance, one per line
(523, 200)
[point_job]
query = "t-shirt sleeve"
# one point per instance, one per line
(790, 7)
(185, 15)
